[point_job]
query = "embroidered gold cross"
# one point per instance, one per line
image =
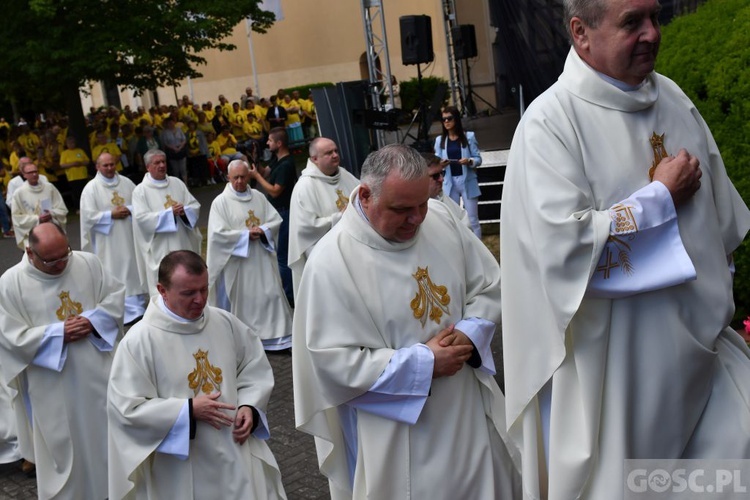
(342, 201)
(252, 220)
(170, 202)
(608, 265)
(205, 377)
(117, 200)
(68, 307)
(431, 300)
(657, 144)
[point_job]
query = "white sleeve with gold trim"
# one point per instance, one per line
(644, 251)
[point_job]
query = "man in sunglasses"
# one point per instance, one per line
(436, 172)
(60, 318)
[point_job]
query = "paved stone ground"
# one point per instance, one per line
(294, 450)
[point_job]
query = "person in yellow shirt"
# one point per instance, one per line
(28, 139)
(228, 145)
(214, 158)
(252, 129)
(293, 120)
(237, 121)
(185, 113)
(75, 163)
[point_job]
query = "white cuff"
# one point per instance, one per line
(480, 332)
(107, 328)
(241, 248)
(165, 222)
(177, 441)
(53, 351)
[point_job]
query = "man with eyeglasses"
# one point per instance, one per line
(60, 318)
(107, 231)
(318, 201)
(436, 173)
(35, 202)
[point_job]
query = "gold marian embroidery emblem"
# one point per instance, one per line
(657, 144)
(205, 377)
(118, 200)
(68, 307)
(170, 202)
(431, 300)
(342, 201)
(252, 220)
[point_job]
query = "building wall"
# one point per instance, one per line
(324, 41)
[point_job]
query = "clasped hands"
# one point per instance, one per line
(451, 348)
(208, 409)
(178, 209)
(76, 328)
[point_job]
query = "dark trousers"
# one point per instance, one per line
(282, 254)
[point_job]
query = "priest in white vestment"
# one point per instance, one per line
(36, 201)
(318, 201)
(60, 319)
(243, 230)
(107, 231)
(165, 214)
(392, 363)
(618, 226)
(9, 446)
(187, 399)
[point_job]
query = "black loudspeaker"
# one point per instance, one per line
(464, 41)
(416, 39)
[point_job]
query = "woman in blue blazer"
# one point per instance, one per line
(460, 154)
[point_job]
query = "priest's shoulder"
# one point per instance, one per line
(436, 209)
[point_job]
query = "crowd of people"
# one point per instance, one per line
(615, 298)
(200, 139)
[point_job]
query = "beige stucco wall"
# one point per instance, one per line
(323, 41)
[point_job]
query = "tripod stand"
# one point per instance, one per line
(470, 108)
(422, 117)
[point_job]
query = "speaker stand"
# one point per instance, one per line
(470, 108)
(421, 141)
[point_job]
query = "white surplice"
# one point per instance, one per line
(245, 273)
(316, 206)
(621, 360)
(458, 212)
(28, 204)
(161, 363)
(112, 239)
(157, 231)
(62, 387)
(365, 301)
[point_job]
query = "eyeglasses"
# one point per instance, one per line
(447, 118)
(437, 176)
(53, 263)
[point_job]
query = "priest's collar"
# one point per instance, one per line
(583, 81)
(110, 182)
(162, 183)
(38, 188)
(312, 170)
(247, 193)
(172, 315)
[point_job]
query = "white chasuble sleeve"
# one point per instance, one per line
(480, 332)
(165, 222)
(52, 352)
(241, 248)
(644, 251)
(177, 440)
(106, 327)
(191, 214)
(401, 391)
(103, 222)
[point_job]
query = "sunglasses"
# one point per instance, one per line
(447, 118)
(437, 176)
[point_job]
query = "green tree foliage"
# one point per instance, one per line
(708, 54)
(52, 47)
(410, 91)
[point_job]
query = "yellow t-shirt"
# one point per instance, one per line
(214, 150)
(226, 144)
(253, 129)
(73, 156)
(291, 116)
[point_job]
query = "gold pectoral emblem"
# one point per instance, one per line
(431, 300)
(252, 220)
(68, 307)
(342, 201)
(657, 144)
(117, 200)
(170, 202)
(205, 378)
